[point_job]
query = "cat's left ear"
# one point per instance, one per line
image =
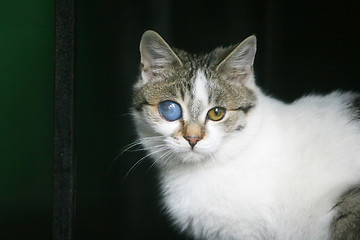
(238, 65)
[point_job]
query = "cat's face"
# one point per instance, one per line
(186, 106)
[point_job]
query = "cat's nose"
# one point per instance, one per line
(192, 140)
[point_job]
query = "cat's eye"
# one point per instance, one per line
(216, 113)
(171, 111)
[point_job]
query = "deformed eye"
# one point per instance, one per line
(216, 113)
(171, 111)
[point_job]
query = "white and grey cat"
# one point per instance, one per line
(237, 164)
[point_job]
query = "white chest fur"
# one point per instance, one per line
(282, 185)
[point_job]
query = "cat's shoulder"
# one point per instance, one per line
(337, 102)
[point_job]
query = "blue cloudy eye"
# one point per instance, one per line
(171, 111)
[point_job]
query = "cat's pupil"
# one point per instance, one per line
(216, 111)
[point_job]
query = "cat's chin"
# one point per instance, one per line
(193, 157)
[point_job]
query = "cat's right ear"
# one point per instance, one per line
(156, 55)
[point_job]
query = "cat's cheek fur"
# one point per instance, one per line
(235, 121)
(159, 124)
(166, 128)
(212, 142)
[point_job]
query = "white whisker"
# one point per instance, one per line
(169, 157)
(137, 143)
(124, 149)
(161, 158)
(161, 148)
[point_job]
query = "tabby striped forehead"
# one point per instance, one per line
(200, 89)
(206, 90)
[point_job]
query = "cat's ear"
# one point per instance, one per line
(238, 65)
(156, 54)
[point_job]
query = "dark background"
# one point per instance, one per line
(303, 46)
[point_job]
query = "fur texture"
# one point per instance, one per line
(265, 170)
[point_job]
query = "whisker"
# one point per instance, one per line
(161, 158)
(128, 148)
(131, 145)
(123, 150)
(124, 114)
(169, 157)
(162, 148)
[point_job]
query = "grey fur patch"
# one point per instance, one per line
(346, 225)
(168, 88)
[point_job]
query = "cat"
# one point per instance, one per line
(235, 163)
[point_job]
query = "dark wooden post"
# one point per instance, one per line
(64, 152)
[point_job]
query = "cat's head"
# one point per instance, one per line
(185, 106)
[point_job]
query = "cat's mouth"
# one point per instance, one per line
(184, 150)
(191, 154)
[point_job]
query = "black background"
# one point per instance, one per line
(303, 46)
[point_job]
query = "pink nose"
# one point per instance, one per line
(192, 140)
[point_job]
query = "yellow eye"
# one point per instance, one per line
(216, 113)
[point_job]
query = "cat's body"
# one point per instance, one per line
(237, 164)
(281, 185)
